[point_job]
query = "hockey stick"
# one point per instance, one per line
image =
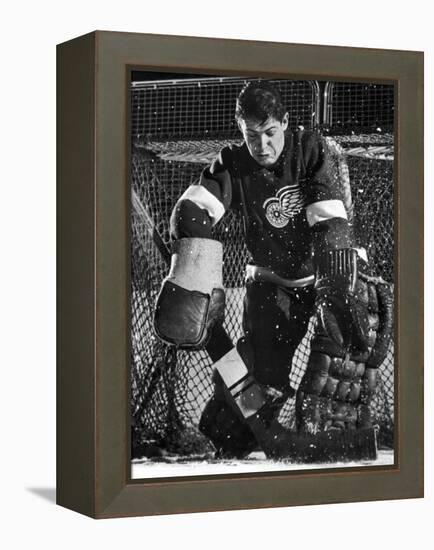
(275, 441)
(150, 227)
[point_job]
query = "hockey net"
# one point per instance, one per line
(169, 389)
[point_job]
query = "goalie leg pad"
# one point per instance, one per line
(339, 384)
(235, 432)
(365, 413)
(236, 398)
(239, 413)
(231, 436)
(329, 393)
(241, 416)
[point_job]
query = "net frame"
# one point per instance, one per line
(367, 107)
(157, 107)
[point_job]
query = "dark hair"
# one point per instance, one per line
(259, 100)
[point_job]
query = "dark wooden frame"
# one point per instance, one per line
(93, 272)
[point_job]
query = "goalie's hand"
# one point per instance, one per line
(342, 301)
(191, 300)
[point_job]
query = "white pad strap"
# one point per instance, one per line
(205, 200)
(325, 210)
(244, 390)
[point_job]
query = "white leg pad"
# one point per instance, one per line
(244, 390)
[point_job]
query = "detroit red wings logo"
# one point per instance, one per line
(288, 202)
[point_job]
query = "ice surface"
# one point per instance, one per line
(175, 466)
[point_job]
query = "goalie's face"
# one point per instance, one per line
(264, 140)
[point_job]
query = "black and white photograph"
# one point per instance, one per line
(262, 274)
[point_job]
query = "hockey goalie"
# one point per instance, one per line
(303, 262)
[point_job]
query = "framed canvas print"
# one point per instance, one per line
(180, 124)
(240, 300)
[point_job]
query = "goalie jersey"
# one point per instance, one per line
(279, 204)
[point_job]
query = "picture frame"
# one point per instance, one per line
(93, 415)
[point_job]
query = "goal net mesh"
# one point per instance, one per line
(177, 128)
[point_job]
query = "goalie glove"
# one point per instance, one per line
(191, 299)
(342, 301)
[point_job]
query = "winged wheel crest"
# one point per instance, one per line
(288, 202)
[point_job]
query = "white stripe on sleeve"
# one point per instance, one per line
(324, 210)
(205, 200)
